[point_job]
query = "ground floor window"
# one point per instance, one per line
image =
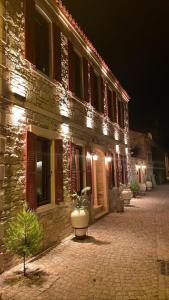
(43, 171)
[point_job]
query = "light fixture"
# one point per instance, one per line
(88, 155)
(94, 156)
(117, 149)
(144, 167)
(108, 158)
(65, 128)
(138, 167)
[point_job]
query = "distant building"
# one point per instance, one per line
(141, 156)
(63, 118)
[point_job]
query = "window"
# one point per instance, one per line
(77, 170)
(42, 38)
(114, 107)
(43, 171)
(95, 87)
(77, 76)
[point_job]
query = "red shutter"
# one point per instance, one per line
(102, 94)
(117, 170)
(58, 171)
(71, 65)
(31, 195)
(86, 79)
(29, 11)
(56, 53)
(73, 168)
(114, 107)
(92, 86)
(88, 167)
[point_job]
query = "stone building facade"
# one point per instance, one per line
(63, 119)
(141, 156)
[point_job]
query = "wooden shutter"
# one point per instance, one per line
(102, 94)
(117, 170)
(88, 168)
(58, 170)
(29, 11)
(71, 66)
(86, 80)
(57, 53)
(92, 86)
(31, 195)
(115, 107)
(73, 168)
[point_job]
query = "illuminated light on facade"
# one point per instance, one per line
(18, 115)
(126, 151)
(125, 139)
(64, 109)
(138, 167)
(105, 128)
(88, 155)
(65, 128)
(116, 135)
(95, 156)
(108, 159)
(144, 167)
(18, 85)
(89, 122)
(117, 149)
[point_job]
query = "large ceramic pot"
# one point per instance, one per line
(149, 185)
(80, 222)
(142, 188)
(126, 196)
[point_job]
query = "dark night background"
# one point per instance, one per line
(133, 39)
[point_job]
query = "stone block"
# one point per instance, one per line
(2, 172)
(2, 143)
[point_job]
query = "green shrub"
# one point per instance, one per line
(24, 236)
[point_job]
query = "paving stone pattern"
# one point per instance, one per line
(125, 257)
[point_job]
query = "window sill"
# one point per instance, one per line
(45, 207)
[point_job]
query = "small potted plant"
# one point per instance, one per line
(126, 194)
(80, 213)
(134, 187)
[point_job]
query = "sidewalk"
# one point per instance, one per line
(125, 257)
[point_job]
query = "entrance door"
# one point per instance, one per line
(100, 183)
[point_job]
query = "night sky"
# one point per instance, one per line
(133, 38)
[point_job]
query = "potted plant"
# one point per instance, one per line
(80, 213)
(126, 194)
(142, 188)
(149, 185)
(134, 187)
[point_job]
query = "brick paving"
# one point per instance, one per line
(125, 258)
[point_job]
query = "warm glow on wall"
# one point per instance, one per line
(117, 149)
(18, 85)
(116, 135)
(95, 156)
(108, 158)
(105, 128)
(89, 122)
(126, 151)
(88, 155)
(65, 128)
(138, 167)
(18, 115)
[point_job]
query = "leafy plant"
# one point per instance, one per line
(134, 185)
(24, 236)
(82, 200)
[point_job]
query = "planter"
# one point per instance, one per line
(142, 188)
(149, 185)
(126, 196)
(80, 222)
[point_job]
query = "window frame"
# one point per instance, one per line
(42, 12)
(77, 53)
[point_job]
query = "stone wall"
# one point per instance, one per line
(28, 98)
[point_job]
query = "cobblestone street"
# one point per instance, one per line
(125, 257)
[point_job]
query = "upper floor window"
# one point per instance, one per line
(42, 38)
(42, 41)
(77, 75)
(110, 104)
(96, 99)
